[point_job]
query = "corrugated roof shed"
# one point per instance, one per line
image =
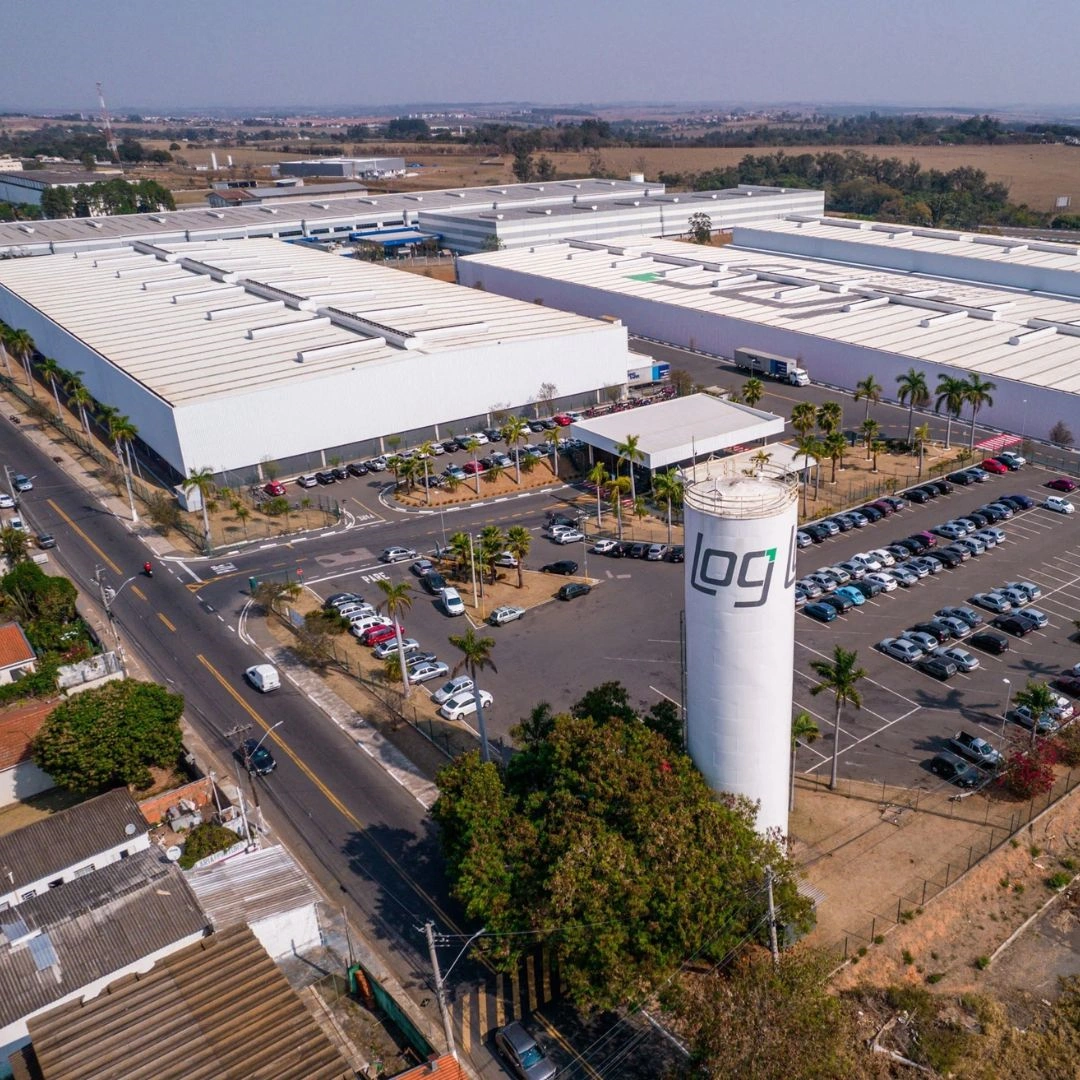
(247, 888)
(58, 942)
(218, 1010)
(69, 837)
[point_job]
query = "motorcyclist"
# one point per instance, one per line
(148, 569)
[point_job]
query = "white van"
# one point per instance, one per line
(264, 677)
(452, 602)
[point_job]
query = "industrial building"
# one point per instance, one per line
(227, 355)
(25, 188)
(278, 194)
(650, 213)
(840, 322)
(740, 635)
(343, 168)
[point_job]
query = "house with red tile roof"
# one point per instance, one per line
(19, 776)
(17, 658)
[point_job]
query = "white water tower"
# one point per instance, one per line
(740, 635)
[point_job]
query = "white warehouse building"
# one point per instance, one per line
(840, 322)
(229, 354)
(648, 212)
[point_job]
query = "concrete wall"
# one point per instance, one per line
(23, 781)
(289, 932)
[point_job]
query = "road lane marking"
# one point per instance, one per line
(166, 622)
(93, 547)
(138, 592)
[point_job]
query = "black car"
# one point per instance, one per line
(839, 601)
(930, 490)
(1018, 502)
(937, 667)
(869, 589)
(893, 501)
(676, 554)
(1008, 463)
(917, 495)
(553, 517)
(991, 512)
(573, 589)
(257, 759)
(980, 517)
(989, 642)
(535, 427)
(621, 550)
(943, 486)
(434, 582)
(897, 551)
(955, 769)
(358, 468)
(450, 445)
(934, 628)
(638, 551)
(493, 434)
(817, 532)
(562, 566)
(871, 512)
(915, 544)
(340, 472)
(326, 477)
(962, 478)
(1013, 624)
(945, 557)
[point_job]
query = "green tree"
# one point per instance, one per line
(13, 544)
(629, 451)
(804, 731)
(950, 396)
(515, 433)
(202, 481)
(111, 735)
(914, 391)
(491, 544)
(78, 398)
(668, 487)
(977, 393)
(123, 432)
(868, 390)
(921, 435)
(835, 444)
(618, 488)
(699, 228)
(268, 593)
(830, 417)
(604, 842)
(809, 446)
(475, 657)
(518, 542)
(471, 447)
(753, 391)
(1039, 698)
(52, 371)
(804, 417)
(21, 345)
(877, 447)
(839, 677)
(869, 429)
(598, 477)
(397, 600)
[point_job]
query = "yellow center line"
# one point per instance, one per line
(138, 592)
(558, 1037)
(166, 622)
(326, 792)
(93, 547)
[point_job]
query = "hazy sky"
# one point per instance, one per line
(352, 52)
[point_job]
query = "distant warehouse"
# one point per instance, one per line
(345, 168)
(839, 322)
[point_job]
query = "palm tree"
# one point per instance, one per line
(22, 345)
(977, 394)
(668, 486)
(424, 454)
(493, 473)
(618, 488)
(753, 391)
(515, 432)
(877, 447)
(805, 731)
(914, 391)
(476, 655)
(870, 429)
(397, 599)
(202, 481)
(840, 677)
(460, 547)
(810, 447)
(950, 394)
(555, 437)
(471, 445)
(921, 436)
(1039, 698)
(78, 397)
(518, 542)
(122, 431)
(868, 390)
(51, 370)
(830, 417)
(804, 417)
(13, 544)
(835, 444)
(598, 475)
(492, 543)
(5, 340)
(628, 451)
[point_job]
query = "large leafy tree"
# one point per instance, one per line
(110, 736)
(605, 841)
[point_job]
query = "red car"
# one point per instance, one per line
(1062, 483)
(376, 635)
(993, 465)
(275, 487)
(472, 467)
(562, 420)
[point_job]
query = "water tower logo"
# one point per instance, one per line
(751, 572)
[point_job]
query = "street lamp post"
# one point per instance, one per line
(440, 980)
(1005, 710)
(108, 595)
(265, 733)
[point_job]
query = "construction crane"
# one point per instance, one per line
(110, 138)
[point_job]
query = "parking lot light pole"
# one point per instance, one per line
(1005, 711)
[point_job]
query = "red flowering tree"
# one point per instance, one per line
(1029, 772)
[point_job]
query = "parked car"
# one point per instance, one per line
(955, 769)
(422, 567)
(1037, 618)
(1032, 590)
(1018, 502)
(275, 488)
(451, 601)
(975, 749)
(357, 468)
(812, 589)
(1069, 682)
(6, 501)
(389, 648)
(839, 601)
(305, 480)
(989, 642)
(520, 1051)
(462, 705)
(453, 688)
(903, 576)
(884, 579)
(676, 554)
(925, 564)
(341, 598)
(884, 556)
(573, 589)
(961, 477)
(868, 587)
(855, 570)
(927, 643)
(958, 629)
(937, 667)
(433, 582)
(896, 503)
(505, 613)
(604, 547)
(992, 465)
(884, 507)
(917, 495)
(22, 483)
(561, 566)
(428, 670)
(1012, 459)
(45, 540)
(1062, 483)
(397, 554)
(871, 513)
(968, 615)
(325, 476)
(979, 475)
(851, 592)
(949, 560)
(963, 660)
(936, 628)
(656, 552)
(1058, 504)
(257, 758)
(902, 649)
(821, 611)
(972, 544)
(993, 601)
(1045, 724)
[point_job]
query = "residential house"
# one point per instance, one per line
(19, 776)
(17, 657)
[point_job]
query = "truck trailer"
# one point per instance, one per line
(782, 368)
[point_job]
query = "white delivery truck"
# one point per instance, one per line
(771, 366)
(264, 677)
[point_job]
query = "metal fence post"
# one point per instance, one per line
(923, 892)
(873, 928)
(899, 902)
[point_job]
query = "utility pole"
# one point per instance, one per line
(772, 917)
(108, 594)
(440, 994)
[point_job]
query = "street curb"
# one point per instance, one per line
(490, 500)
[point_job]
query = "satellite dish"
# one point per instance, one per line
(172, 853)
(130, 829)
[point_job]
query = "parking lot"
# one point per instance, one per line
(907, 715)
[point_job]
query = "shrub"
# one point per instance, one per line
(1028, 773)
(1058, 881)
(1068, 864)
(982, 962)
(1067, 745)
(862, 950)
(1034, 851)
(205, 840)
(907, 957)
(879, 939)
(935, 977)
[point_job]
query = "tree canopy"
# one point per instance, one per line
(110, 736)
(605, 842)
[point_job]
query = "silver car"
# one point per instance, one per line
(926, 643)
(993, 601)
(1033, 591)
(902, 649)
(963, 660)
(454, 686)
(957, 627)
(504, 614)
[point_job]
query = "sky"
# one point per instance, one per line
(365, 53)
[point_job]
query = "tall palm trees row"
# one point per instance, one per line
(828, 442)
(951, 393)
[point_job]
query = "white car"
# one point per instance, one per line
(963, 660)
(602, 547)
(389, 648)
(462, 705)
(428, 670)
(478, 437)
(452, 689)
(508, 559)
(907, 652)
(22, 483)
(886, 558)
(6, 501)
(1016, 460)
(17, 524)
(360, 626)
(1062, 709)
(885, 580)
(568, 536)
(397, 554)
(1058, 504)
(868, 561)
(507, 613)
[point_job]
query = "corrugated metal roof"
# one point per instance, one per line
(66, 938)
(68, 838)
(1023, 336)
(217, 1010)
(196, 322)
(247, 888)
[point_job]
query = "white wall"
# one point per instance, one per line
(22, 781)
(288, 933)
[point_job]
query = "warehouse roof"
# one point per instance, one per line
(994, 331)
(69, 837)
(680, 429)
(218, 1010)
(295, 218)
(196, 322)
(67, 938)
